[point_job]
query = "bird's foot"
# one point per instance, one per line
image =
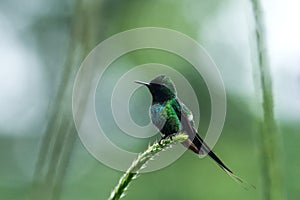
(166, 136)
(162, 138)
(172, 135)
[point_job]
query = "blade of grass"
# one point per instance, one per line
(140, 162)
(60, 134)
(270, 146)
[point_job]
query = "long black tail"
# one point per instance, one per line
(197, 145)
(202, 148)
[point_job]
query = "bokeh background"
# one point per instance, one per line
(42, 46)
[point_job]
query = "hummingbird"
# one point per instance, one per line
(171, 117)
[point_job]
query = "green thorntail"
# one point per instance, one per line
(171, 116)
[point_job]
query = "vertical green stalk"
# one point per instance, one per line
(270, 146)
(139, 163)
(60, 134)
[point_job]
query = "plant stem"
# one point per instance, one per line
(60, 134)
(270, 141)
(140, 162)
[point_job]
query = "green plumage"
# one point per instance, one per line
(171, 116)
(164, 117)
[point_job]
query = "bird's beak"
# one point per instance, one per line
(142, 82)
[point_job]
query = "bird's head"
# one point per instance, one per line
(162, 88)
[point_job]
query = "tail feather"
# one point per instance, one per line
(203, 148)
(197, 145)
(236, 178)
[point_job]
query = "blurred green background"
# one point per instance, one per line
(42, 46)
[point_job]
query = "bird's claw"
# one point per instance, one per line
(172, 135)
(166, 136)
(162, 138)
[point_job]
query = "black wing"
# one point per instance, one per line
(196, 143)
